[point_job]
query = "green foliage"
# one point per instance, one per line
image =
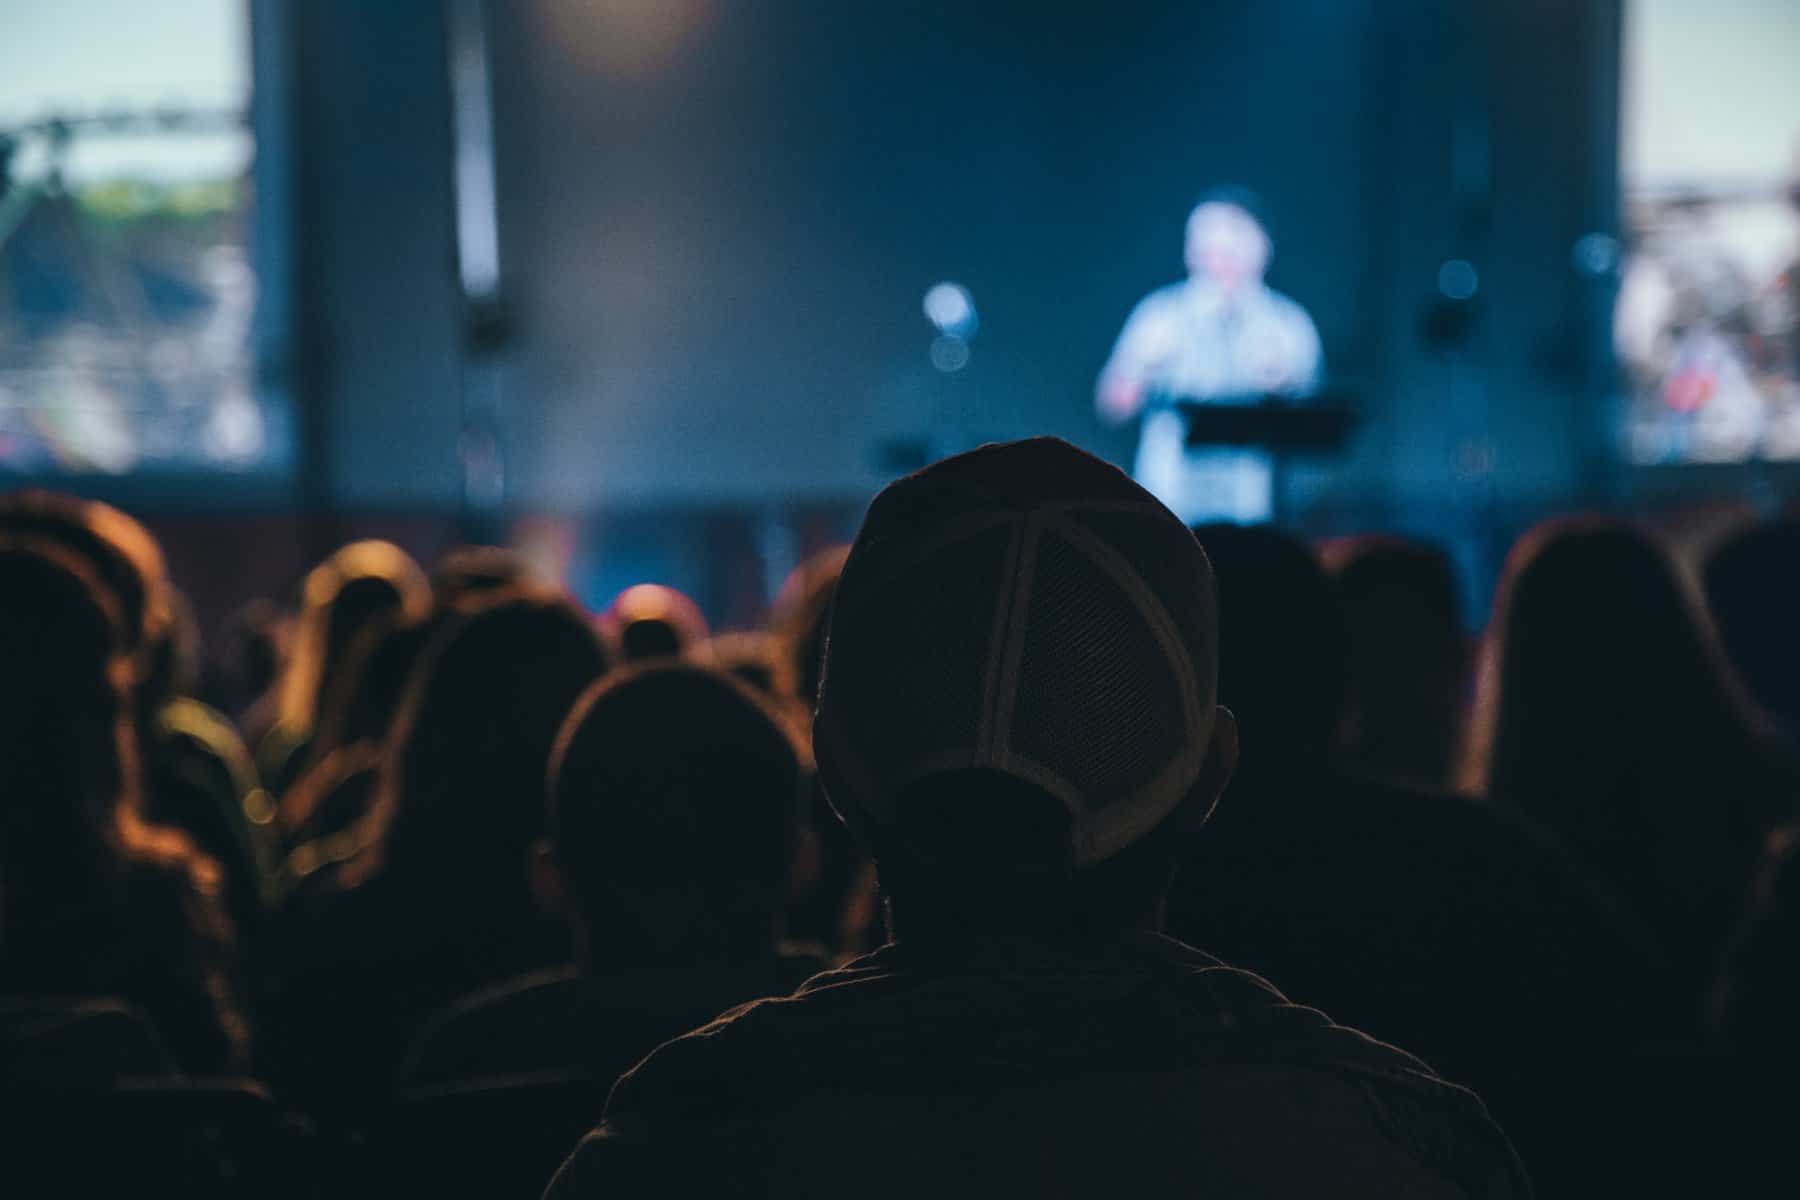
(125, 201)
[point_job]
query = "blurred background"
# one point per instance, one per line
(665, 289)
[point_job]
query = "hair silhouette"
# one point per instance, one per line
(1753, 588)
(1409, 658)
(1608, 713)
(674, 800)
(341, 597)
(1282, 669)
(802, 614)
(461, 798)
(98, 901)
(121, 554)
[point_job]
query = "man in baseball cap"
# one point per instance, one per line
(1018, 716)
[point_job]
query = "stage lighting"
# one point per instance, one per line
(625, 39)
(1458, 280)
(949, 353)
(951, 308)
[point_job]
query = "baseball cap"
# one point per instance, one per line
(1024, 608)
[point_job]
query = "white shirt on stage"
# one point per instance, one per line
(1196, 342)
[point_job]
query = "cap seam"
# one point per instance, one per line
(886, 572)
(1011, 651)
(1005, 597)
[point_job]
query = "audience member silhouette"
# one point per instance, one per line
(367, 698)
(650, 621)
(1019, 690)
(1456, 930)
(674, 803)
(830, 907)
(1753, 589)
(201, 778)
(802, 613)
(1290, 690)
(1018, 714)
(124, 558)
(193, 762)
(340, 598)
(1758, 993)
(1608, 714)
(436, 901)
(332, 794)
(98, 901)
(1409, 659)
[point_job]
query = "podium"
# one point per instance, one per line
(1283, 427)
(1320, 424)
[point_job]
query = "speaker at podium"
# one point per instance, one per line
(1223, 373)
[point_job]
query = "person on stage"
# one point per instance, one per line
(1222, 336)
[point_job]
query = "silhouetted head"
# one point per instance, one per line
(461, 799)
(829, 903)
(342, 596)
(64, 759)
(476, 570)
(98, 900)
(802, 613)
(70, 779)
(651, 621)
(1607, 712)
(1020, 687)
(1408, 656)
(674, 801)
(352, 727)
(120, 553)
(1753, 589)
(1600, 660)
(1282, 669)
(373, 679)
(1226, 241)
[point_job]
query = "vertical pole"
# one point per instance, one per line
(481, 444)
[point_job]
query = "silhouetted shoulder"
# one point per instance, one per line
(1148, 1042)
(478, 1037)
(78, 1043)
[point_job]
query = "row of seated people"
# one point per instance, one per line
(484, 838)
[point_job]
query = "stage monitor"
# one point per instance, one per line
(132, 345)
(1707, 323)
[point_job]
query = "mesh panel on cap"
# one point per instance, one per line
(1177, 581)
(906, 673)
(1097, 702)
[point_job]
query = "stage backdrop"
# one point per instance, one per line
(719, 221)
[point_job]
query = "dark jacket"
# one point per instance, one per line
(1449, 927)
(1135, 1066)
(360, 971)
(562, 1022)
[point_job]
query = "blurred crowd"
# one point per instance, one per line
(403, 891)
